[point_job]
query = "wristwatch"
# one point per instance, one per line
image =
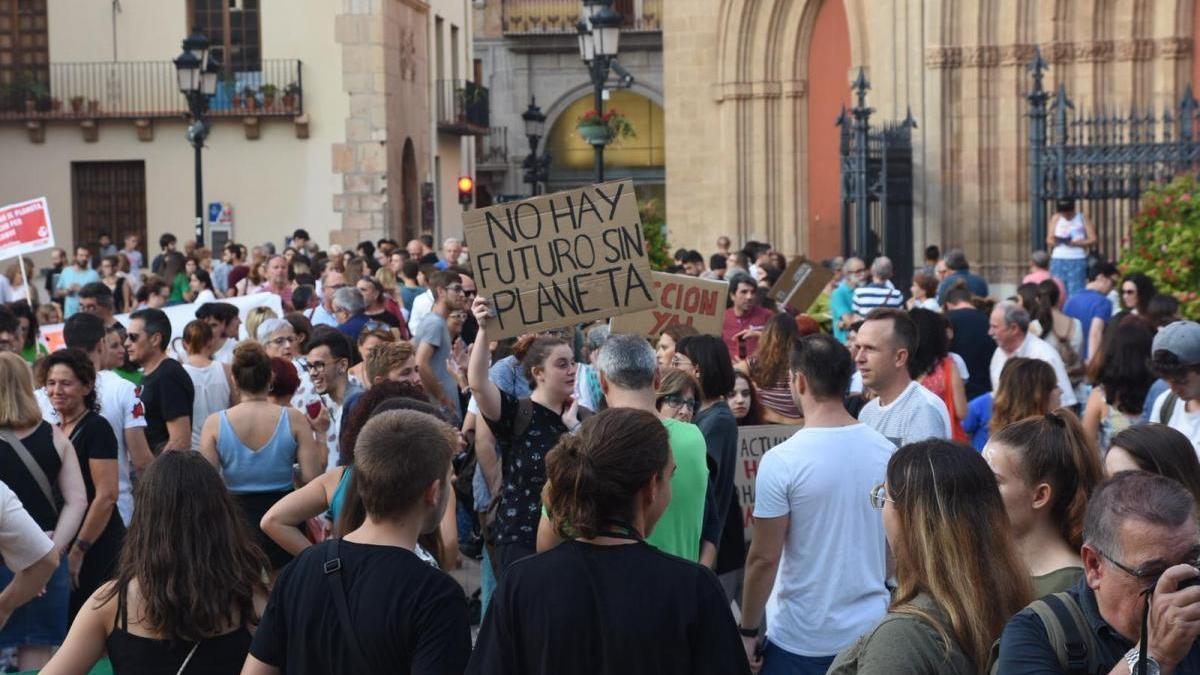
(1131, 660)
(749, 632)
(83, 545)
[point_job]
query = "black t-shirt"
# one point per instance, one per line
(613, 610)
(384, 317)
(524, 474)
(93, 438)
(409, 617)
(975, 346)
(40, 445)
(167, 394)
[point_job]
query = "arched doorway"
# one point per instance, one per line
(828, 92)
(411, 214)
(640, 158)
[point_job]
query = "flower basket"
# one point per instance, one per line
(602, 129)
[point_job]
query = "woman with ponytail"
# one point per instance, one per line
(605, 601)
(1046, 469)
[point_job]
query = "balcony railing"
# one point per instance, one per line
(491, 150)
(462, 107)
(547, 17)
(144, 89)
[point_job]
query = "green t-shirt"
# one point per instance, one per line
(179, 286)
(32, 353)
(678, 531)
(1056, 581)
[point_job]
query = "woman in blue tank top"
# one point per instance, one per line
(256, 443)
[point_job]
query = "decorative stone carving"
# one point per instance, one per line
(1058, 52)
(1175, 47)
(764, 89)
(1094, 52)
(981, 56)
(1135, 50)
(795, 88)
(943, 57)
(1017, 54)
(145, 129)
(408, 55)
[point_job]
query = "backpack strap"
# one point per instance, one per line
(1168, 408)
(333, 573)
(1070, 636)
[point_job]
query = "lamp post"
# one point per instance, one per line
(599, 33)
(197, 70)
(535, 167)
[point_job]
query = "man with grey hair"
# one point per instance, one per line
(1009, 327)
(1039, 271)
(348, 309)
(879, 292)
(1139, 532)
(629, 379)
(959, 268)
(451, 250)
(841, 301)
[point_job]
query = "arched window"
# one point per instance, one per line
(570, 153)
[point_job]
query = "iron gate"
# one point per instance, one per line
(877, 186)
(1103, 159)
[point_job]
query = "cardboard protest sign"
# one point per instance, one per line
(25, 228)
(800, 284)
(753, 443)
(560, 259)
(699, 303)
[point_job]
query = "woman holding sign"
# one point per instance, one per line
(527, 429)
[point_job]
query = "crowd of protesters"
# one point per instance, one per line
(977, 483)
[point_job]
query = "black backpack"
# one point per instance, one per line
(1069, 634)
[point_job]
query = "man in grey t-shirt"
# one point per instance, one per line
(903, 410)
(432, 338)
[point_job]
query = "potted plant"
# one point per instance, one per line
(291, 96)
(251, 97)
(268, 94)
(93, 106)
(602, 129)
(37, 95)
(56, 104)
(77, 104)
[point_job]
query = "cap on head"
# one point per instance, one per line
(1181, 338)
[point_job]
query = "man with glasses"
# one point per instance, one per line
(841, 301)
(328, 364)
(1176, 359)
(332, 281)
(434, 347)
(817, 560)
(1140, 533)
(167, 390)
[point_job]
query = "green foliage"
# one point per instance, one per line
(1164, 241)
(654, 230)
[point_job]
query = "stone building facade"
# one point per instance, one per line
(752, 106)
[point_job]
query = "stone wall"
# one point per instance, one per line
(735, 94)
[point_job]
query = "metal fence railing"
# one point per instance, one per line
(143, 89)
(492, 149)
(462, 107)
(547, 17)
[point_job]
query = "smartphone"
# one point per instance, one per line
(313, 409)
(741, 347)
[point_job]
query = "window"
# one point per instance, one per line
(233, 28)
(24, 49)
(108, 197)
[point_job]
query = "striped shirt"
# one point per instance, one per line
(875, 295)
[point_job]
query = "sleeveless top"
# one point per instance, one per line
(212, 394)
(939, 383)
(1072, 230)
(218, 655)
(266, 469)
(777, 397)
(40, 444)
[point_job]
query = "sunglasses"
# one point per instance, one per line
(879, 496)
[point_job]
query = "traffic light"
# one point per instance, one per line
(466, 190)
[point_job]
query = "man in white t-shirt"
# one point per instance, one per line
(119, 402)
(818, 557)
(1009, 327)
(903, 410)
(1176, 359)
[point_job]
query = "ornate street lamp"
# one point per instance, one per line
(599, 34)
(536, 168)
(197, 71)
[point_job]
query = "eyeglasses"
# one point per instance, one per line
(286, 340)
(314, 366)
(455, 287)
(334, 287)
(879, 496)
(677, 401)
(1128, 291)
(461, 316)
(1149, 573)
(133, 337)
